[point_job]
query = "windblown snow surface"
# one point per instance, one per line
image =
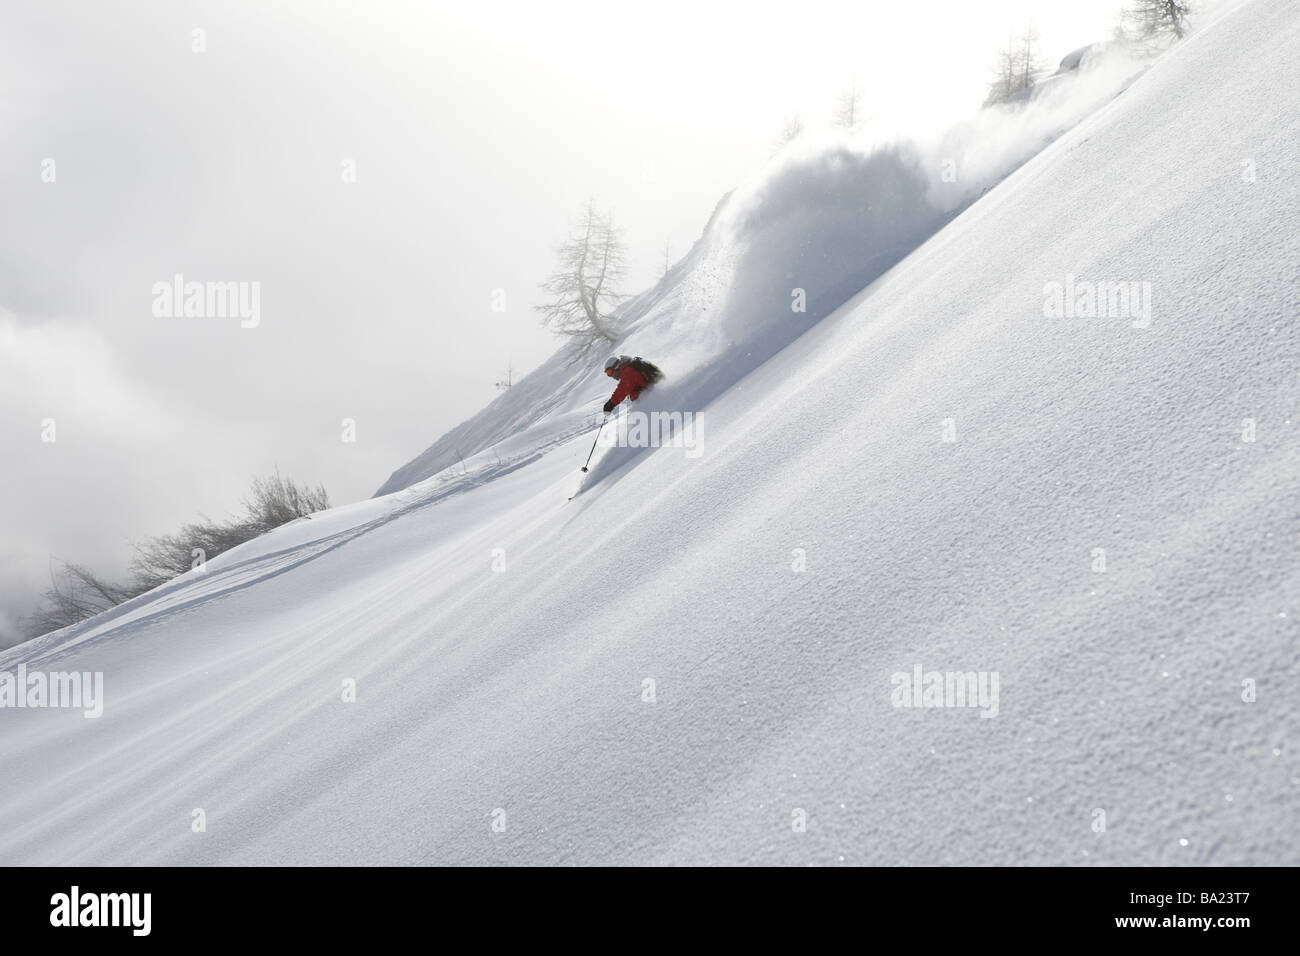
(698, 651)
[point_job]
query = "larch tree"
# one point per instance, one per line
(848, 108)
(791, 130)
(1016, 67)
(1153, 19)
(583, 290)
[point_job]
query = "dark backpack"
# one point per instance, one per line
(648, 369)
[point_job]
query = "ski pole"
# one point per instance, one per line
(593, 444)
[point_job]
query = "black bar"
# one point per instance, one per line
(931, 906)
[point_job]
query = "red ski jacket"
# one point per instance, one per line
(630, 382)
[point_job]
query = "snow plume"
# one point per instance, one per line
(819, 229)
(970, 156)
(830, 215)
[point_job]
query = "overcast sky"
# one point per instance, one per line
(475, 130)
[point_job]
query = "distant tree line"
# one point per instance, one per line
(1142, 24)
(77, 593)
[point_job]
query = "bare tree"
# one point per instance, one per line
(276, 500)
(848, 108)
(159, 559)
(1154, 19)
(668, 256)
(791, 130)
(272, 501)
(75, 593)
(1002, 86)
(1030, 61)
(1015, 68)
(582, 288)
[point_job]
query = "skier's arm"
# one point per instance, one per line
(620, 393)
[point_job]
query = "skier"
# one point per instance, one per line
(634, 376)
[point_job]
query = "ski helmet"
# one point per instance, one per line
(612, 365)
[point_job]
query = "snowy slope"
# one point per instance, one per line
(828, 216)
(521, 690)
